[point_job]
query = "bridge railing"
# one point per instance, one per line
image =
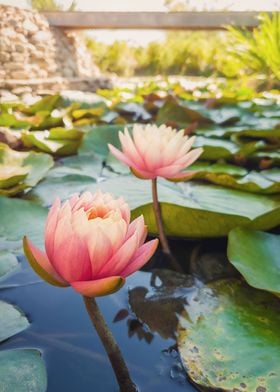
(151, 20)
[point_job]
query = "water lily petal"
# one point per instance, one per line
(120, 156)
(120, 258)
(51, 226)
(169, 171)
(171, 149)
(138, 225)
(183, 176)
(100, 249)
(189, 158)
(99, 287)
(142, 174)
(187, 145)
(71, 257)
(129, 148)
(41, 264)
(141, 257)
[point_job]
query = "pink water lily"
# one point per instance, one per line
(91, 245)
(154, 151)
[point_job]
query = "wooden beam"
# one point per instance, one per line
(151, 20)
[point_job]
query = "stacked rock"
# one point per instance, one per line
(30, 49)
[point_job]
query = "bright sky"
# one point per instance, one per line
(143, 37)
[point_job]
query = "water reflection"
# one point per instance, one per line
(75, 358)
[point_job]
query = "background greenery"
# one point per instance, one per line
(233, 53)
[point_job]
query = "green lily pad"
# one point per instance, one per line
(214, 149)
(47, 103)
(226, 114)
(256, 256)
(274, 156)
(19, 218)
(8, 262)
(45, 141)
(13, 321)
(261, 133)
(90, 166)
(241, 131)
(96, 111)
(218, 168)
(22, 370)
(59, 133)
(60, 186)
(21, 170)
(11, 176)
(189, 209)
(178, 114)
(251, 182)
(13, 121)
(229, 342)
(97, 138)
(272, 174)
(194, 210)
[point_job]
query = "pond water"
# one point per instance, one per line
(74, 356)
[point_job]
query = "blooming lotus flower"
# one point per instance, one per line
(157, 152)
(91, 245)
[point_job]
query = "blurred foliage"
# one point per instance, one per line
(51, 5)
(233, 53)
(181, 53)
(259, 50)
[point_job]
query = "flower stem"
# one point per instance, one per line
(162, 237)
(110, 345)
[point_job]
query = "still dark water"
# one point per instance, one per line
(74, 356)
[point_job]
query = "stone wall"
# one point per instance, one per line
(32, 52)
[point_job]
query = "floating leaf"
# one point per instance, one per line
(83, 99)
(272, 174)
(21, 170)
(59, 133)
(83, 165)
(240, 131)
(229, 338)
(19, 218)
(138, 112)
(252, 182)
(13, 121)
(189, 209)
(10, 176)
(8, 262)
(46, 104)
(177, 114)
(226, 114)
(13, 321)
(44, 141)
(256, 256)
(96, 111)
(96, 140)
(22, 370)
(62, 186)
(214, 149)
(194, 210)
(202, 168)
